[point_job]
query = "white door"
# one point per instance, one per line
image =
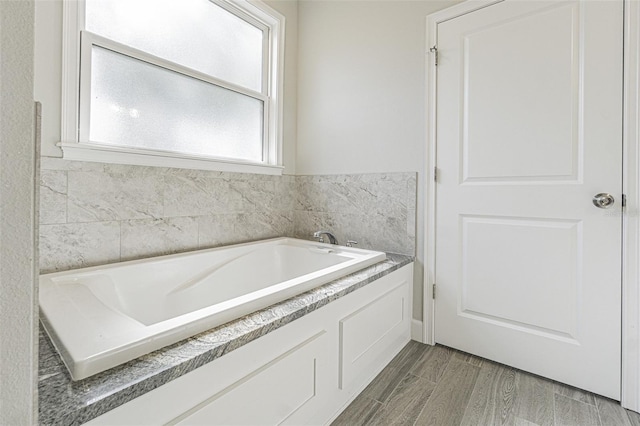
(529, 129)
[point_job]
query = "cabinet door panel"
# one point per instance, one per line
(367, 335)
(268, 395)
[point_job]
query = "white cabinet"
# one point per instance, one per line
(367, 335)
(303, 373)
(281, 391)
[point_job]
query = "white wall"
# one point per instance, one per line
(48, 65)
(361, 92)
(361, 85)
(18, 294)
(48, 72)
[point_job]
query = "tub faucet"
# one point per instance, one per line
(332, 238)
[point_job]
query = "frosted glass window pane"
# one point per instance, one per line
(136, 104)
(195, 33)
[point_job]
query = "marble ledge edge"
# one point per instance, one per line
(63, 401)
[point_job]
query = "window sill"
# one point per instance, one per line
(119, 155)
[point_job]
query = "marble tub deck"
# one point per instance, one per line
(64, 402)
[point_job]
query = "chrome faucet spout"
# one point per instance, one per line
(319, 234)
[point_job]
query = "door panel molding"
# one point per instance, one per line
(563, 145)
(518, 309)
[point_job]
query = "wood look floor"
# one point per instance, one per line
(436, 385)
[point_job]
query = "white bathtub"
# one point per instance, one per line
(103, 316)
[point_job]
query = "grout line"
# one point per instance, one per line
(120, 240)
(451, 357)
(198, 244)
(554, 407)
(66, 197)
(598, 411)
(428, 399)
(163, 196)
(555, 383)
(475, 384)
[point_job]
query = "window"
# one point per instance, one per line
(185, 83)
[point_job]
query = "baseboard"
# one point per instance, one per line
(416, 330)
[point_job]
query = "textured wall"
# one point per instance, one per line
(95, 213)
(18, 294)
(377, 210)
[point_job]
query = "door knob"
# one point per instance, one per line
(603, 200)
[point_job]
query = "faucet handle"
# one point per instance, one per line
(350, 243)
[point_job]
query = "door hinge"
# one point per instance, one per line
(435, 174)
(433, 291)
(624, 201)
(434, 50)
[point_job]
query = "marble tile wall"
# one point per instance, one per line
(376, 210)
(92, 213)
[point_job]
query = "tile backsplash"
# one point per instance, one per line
(92, 213)
(377, 210)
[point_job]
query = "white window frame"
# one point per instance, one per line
(76, 72)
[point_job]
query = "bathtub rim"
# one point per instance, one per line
(158, 336)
